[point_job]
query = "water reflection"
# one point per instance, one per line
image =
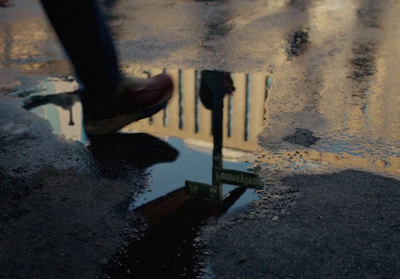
(185, 125)
(350, 136)
(176, 212)
(168, 250)
(188, 115)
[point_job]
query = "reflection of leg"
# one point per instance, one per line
(87, 41)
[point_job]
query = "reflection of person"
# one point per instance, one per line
(110, 101)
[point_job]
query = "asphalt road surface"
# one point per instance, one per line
(328, 154)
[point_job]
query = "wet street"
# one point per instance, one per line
(277, 156)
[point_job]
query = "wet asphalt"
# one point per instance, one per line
(326, 152)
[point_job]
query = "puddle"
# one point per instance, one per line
(195, 155)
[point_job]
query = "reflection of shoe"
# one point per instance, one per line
(117, 152)
(133, 100)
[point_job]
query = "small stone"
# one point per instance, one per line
(275, 218)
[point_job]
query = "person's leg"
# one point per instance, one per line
(87, 41)
(109, 101)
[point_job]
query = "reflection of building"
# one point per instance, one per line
(304, 160)
(185, 117)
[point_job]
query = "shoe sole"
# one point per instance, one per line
(110, 125)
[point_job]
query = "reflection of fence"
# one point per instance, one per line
(185, 117)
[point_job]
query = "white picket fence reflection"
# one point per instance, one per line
(186, 117)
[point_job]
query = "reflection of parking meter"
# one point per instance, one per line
(214, 86)
(212, 93)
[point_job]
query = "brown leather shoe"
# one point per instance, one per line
(134, 99)
(5, 3)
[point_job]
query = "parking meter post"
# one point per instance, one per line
(217, 120)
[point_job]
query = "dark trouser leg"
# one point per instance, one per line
(87, 41)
